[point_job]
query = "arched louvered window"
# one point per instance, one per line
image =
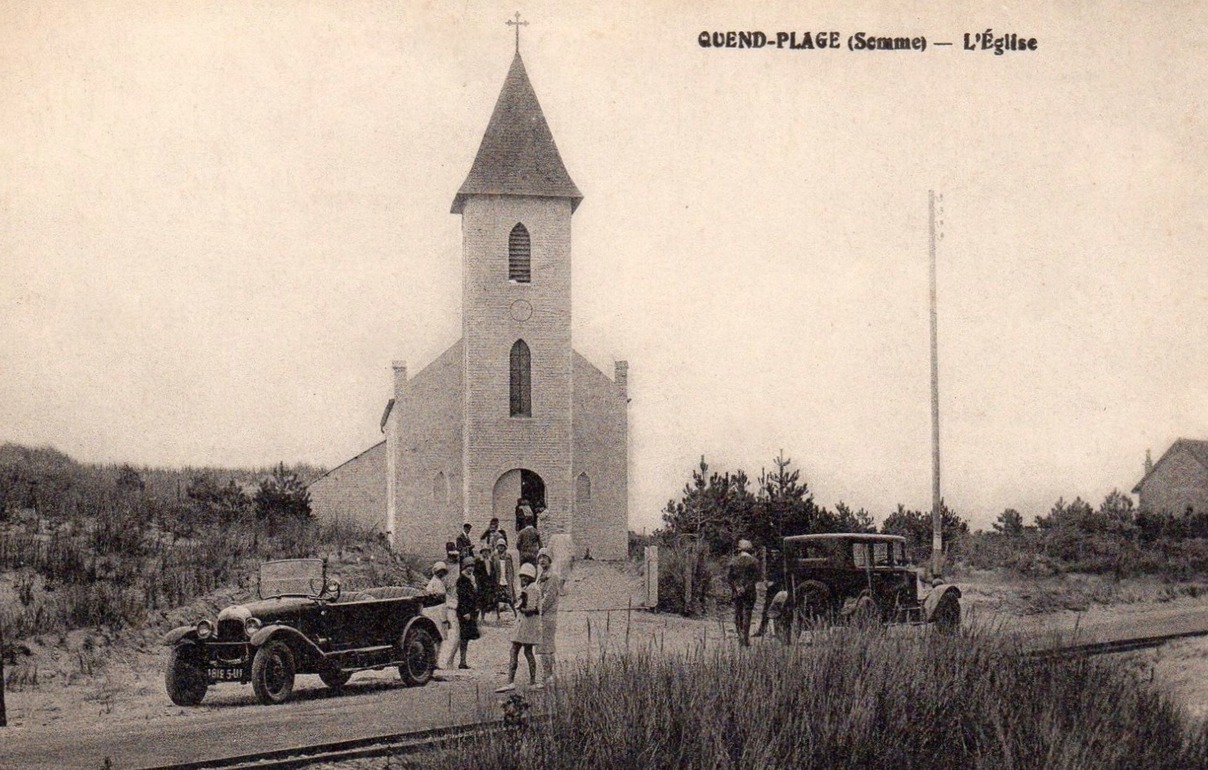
(519, 255)
(583, 489)
(521, 382)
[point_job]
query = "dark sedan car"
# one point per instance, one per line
(303, 624)
(855, 575)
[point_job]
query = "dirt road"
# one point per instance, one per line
(234, 724)
(127, 718)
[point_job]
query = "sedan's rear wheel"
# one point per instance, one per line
(813, 604)
(273, 671)
(947, 616)
(866, 612)
(418, 657)
(186, 675)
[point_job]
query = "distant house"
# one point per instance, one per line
(1178, 481)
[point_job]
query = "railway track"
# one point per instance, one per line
(339, 751)
(1111, 647)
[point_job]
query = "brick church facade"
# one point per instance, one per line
(510, 410)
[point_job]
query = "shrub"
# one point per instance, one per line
(677, 563)
(854, 698)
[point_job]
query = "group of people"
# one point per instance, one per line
(494, 569)
(476, 584)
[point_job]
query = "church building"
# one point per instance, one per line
(509, 411)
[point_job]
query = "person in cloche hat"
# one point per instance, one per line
(467, 609)
(528, 628)
(549, 584)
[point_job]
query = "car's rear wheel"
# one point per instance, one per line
(273, 671)
(947, 616)
(813, 603)
(865, 610)
(335, 678)
(417, 656)
(186, 675)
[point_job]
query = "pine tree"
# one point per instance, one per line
(282, 496)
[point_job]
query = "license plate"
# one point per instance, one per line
(226, 674)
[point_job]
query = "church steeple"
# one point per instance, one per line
(518, 155)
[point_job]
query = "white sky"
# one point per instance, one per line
(220, 222)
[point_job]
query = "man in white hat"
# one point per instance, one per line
(452, 628)
(742, 575)
(436, 587)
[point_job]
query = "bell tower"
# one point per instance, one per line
(510, 410)
(516, 206)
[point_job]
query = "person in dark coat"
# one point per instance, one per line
(467, 609)
(524, 512)
(492, 535)
(743, 575)
(484, 581)
(528, 543)
(465, 546)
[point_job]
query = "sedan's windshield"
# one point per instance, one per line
(291, 577)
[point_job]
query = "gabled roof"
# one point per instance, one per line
(1197, 449)
(518, 155)
(341, 465)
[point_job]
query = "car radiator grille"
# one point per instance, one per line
(230, 630)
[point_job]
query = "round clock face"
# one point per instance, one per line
(522, 310)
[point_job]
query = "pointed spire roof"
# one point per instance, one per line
(518, 155)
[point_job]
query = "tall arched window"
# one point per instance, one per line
(519, 253)
(583, 488)
(521, 382)
(440, 489)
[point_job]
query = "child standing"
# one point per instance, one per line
(528, 628)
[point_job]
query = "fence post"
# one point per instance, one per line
(652, 576)
(3, 713)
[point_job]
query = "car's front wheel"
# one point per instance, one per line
(273, 671)
(186, 675)
(417, 657)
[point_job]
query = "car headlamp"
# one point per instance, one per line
(252, 625)
(205, 629)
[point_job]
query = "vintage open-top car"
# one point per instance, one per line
(860, 576)
(303, 624)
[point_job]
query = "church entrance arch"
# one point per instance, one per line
(516, 484)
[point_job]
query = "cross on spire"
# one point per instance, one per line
(517, 24)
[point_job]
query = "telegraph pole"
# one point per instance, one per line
(937, 534)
